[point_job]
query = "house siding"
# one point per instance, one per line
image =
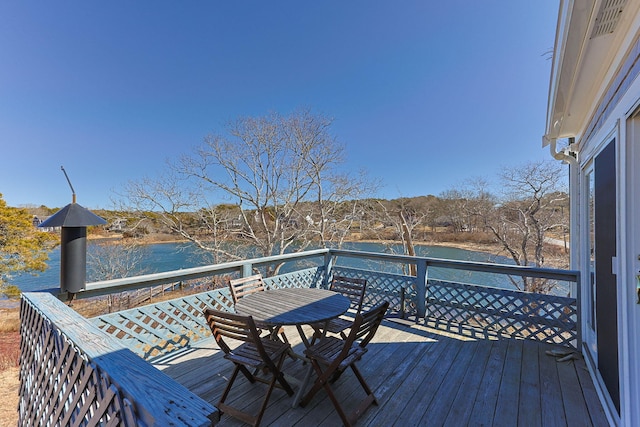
(622, 81)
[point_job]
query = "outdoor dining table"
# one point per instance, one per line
(294, 307)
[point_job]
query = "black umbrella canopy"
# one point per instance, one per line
(73, 215)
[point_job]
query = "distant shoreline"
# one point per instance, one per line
(491, 248)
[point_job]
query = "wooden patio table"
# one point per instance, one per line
(294, 307)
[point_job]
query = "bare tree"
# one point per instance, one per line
(405, 215)
(111, 260)
(278, 178)
(529, 207)
(452, 209)
(459, 206)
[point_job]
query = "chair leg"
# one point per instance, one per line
(325, 379)
(277, 376)
(250, 376)
(336, 375)
(228, 388)
(280, 376)
(263, 407)
(284, 337)
(323, 382)
(285, 340)
(367, 401)
(347, 421)
(277, 333)
(315, 336)
(363, 383)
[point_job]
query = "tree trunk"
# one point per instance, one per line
(408, 243)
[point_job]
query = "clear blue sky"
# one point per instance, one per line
(424, 94)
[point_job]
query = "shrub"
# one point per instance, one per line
(10, 291)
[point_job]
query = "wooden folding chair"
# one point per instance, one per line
(254, 352)
(247, 286)
(332, 355)
(354, 289)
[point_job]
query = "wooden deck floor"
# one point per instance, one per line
(421, 377)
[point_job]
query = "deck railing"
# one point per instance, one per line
(64, 374)
(73, 374)
(473, 308)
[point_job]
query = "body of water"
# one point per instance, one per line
(175, 256)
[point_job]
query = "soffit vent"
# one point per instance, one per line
(608, 17)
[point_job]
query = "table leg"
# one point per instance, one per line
(303, 386)
(307, 374)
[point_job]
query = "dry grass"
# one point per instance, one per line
(10, 320)
(9, 338)
(9, 359)
(9, 350)
(9, 397)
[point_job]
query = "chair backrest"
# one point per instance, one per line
(234, 326)
(365, 325)
(245, 286)
(352, 288)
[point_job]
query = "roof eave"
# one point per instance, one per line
(574, 20)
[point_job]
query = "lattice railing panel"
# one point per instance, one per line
(157, 329)
(504, 312)
(307, 278)
(399, 290)
(58, 386)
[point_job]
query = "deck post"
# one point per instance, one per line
(578, 285)
(247, 269)
(421, 288)
(328, 265)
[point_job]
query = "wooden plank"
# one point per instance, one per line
(575, 408)
(509, 392)
(596, 411)
(484, 407)
(429, 388)
(396, 402)
(529, 408)
(202, 374)
(462, 405)
(552, 410)
(409, 366)
(438, 410)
